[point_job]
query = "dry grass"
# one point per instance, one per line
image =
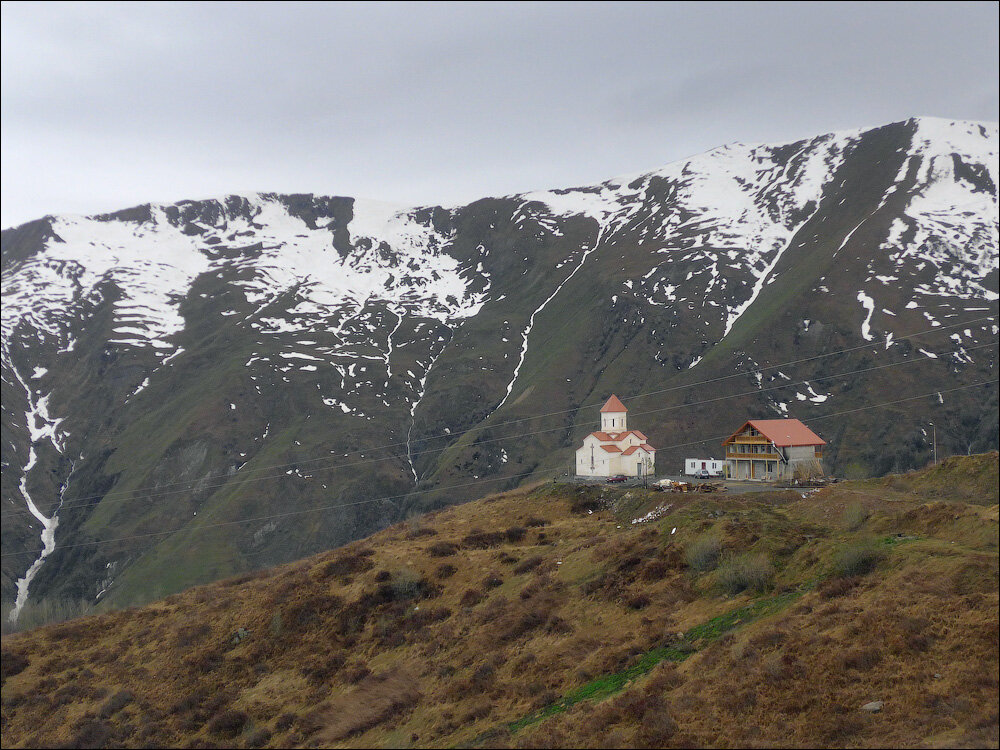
(747, 572)
(374, 700)
(447, 631)
(703, 552)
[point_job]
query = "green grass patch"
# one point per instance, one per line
(892, 541)
(608, 685)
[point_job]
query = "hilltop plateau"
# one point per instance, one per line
(559, 615)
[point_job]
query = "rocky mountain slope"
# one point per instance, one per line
(194, 390)
(566, 616)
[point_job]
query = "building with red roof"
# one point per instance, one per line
(615, 449)
(773, 449)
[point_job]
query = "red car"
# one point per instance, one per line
(617, 479)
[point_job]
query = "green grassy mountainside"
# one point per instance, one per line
(203, 389)
(566, 616)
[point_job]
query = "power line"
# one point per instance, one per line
(141, 493)
(235, 481)
(455, 486)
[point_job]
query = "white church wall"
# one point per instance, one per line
(613, 421)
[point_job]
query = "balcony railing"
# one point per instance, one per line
(751, 440)
(752, 456)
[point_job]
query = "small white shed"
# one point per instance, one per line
(713, 466)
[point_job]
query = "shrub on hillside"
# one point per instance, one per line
(479, 710)
(861, 659)
(808, 470)
(405, 585)
(639, 601)
(445, 571)
(355, 673)
(258, 737)
(528, 564)
(442, 549)
(834, 587)
(515, 534)
(91, 734)
(483, 539)
(702, 553)
(420, 531)
(347, 564)
(116, 703)
(205, 661)
(12, 663)
(308, 609)
(470, 598)
(228, 723)
(534, 523)
(654, 570)
(585, 504)
(322, 670)
(285, 721)
(748, 572)
(855, 516)
(858, 559)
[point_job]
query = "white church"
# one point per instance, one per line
(615, 449)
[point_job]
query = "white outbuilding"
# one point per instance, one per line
(714, 467)
(615, 449)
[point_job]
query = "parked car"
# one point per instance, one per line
(703, 474)
(617, 479)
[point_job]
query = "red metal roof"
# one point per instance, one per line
(617, 437)
(634, 448)
(784, 433)
(603, 436)
(613, 404)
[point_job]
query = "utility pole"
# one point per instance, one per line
(934, 441)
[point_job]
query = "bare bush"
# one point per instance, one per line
(515, 534)
(442, 549)
(528, 564)
(116, 703)
(858, 559)
(483, 540)
(748, 572)
(445, 571)
(834, 587)
(91, 734)
(702, 553)
(855, 516)
(228, 723)
(12, 663)
(808, 470)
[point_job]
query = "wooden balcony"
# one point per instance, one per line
(734, 455)
(751, 440)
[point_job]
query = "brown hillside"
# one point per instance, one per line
(546, 617)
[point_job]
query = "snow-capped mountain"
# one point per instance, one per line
(196, 389)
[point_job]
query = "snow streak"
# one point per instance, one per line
(38, 411)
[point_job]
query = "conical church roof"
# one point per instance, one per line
(613, 405)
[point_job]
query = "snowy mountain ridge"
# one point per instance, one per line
(165, 344)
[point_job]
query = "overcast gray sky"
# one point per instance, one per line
(107, 105)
